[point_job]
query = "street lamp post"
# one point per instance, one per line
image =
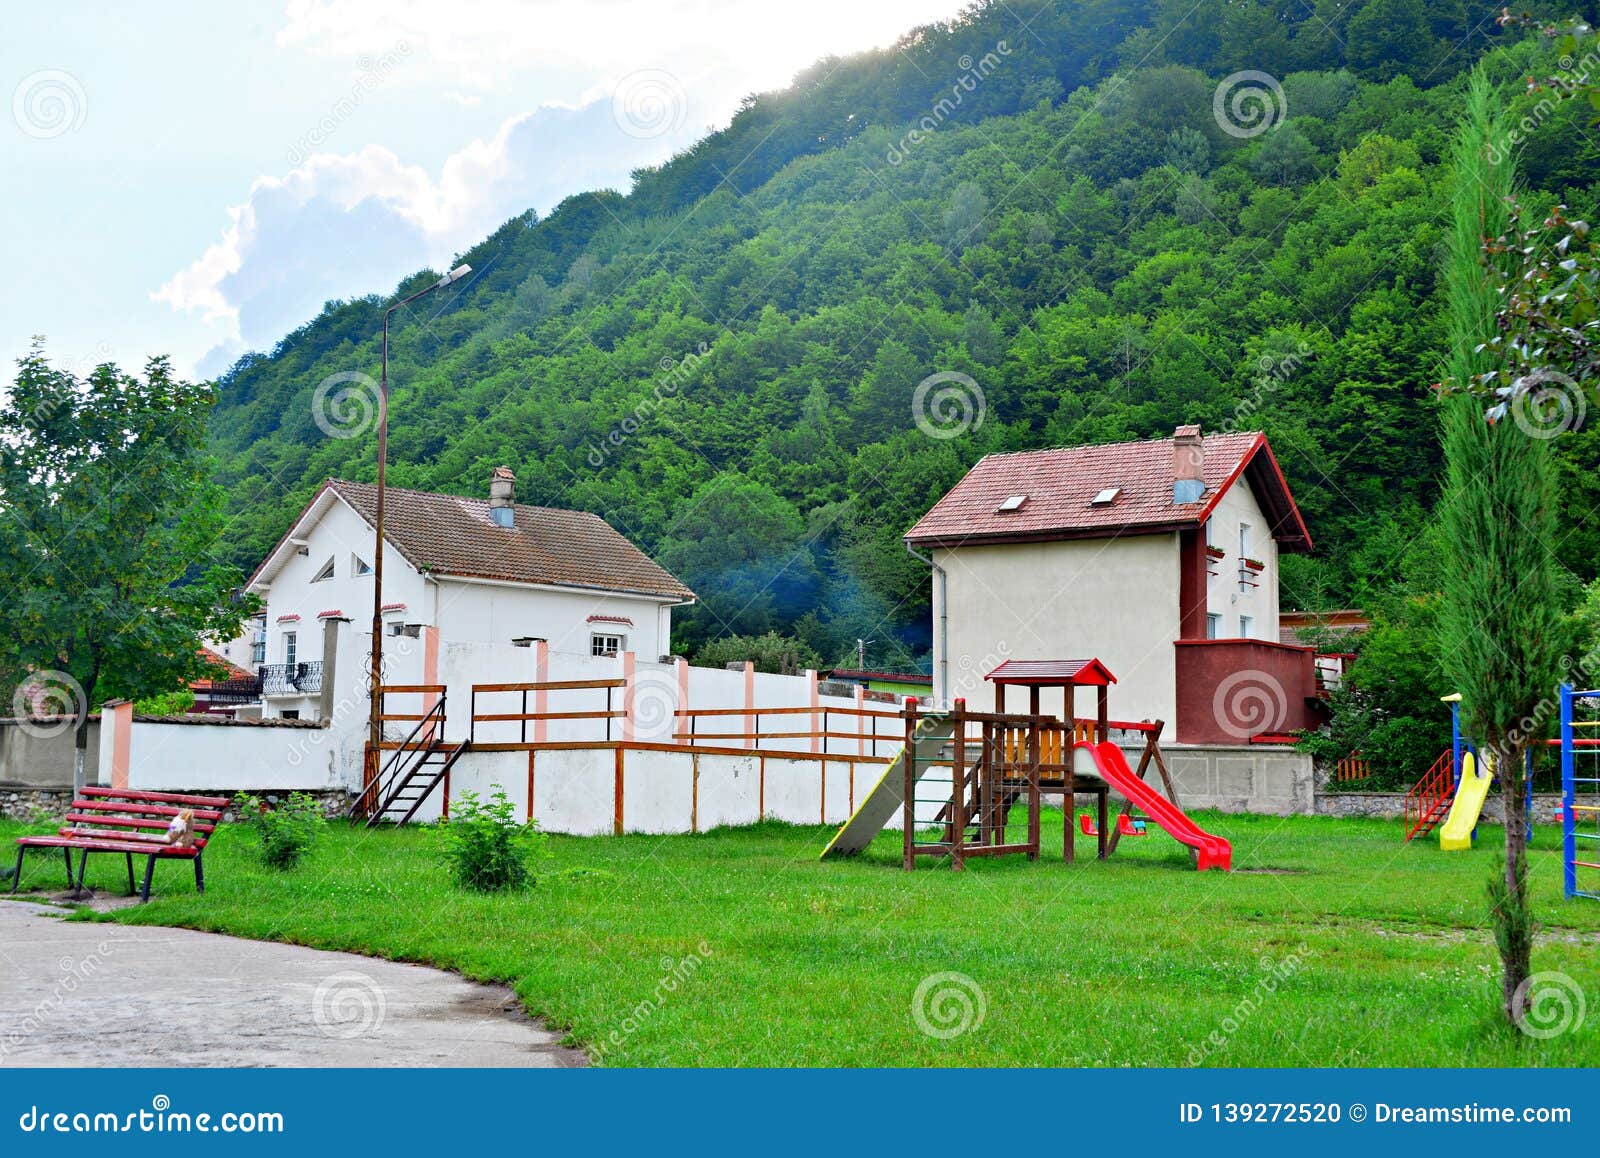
(375, 696)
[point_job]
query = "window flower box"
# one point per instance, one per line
(1252, 564)
(1216, 552)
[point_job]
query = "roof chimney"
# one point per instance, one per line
(1188, 465)
(502, 496)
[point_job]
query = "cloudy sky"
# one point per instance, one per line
(196, 179)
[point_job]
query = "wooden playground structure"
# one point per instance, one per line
(998, 761)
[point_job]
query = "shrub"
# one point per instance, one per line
(486, 847)
(286, 831)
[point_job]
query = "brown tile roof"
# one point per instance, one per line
(226, 668)
(450, 535)
(1060, 484)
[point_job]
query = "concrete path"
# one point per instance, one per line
(92, 994)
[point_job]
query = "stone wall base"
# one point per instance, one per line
(1392, 806)
(31, 804)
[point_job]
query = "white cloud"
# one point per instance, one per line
(644, 80)
(346, 224)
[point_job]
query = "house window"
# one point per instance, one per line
(606, 645)
(293, 715)
(359, 566)
(1247, 626)
(1213, 624)
(258, 646)
(325, 573)
(289, 647)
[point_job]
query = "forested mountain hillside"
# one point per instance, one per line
(1066, 202)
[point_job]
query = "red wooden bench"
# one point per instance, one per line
(132, 823)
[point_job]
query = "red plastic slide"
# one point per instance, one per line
(1215, 852)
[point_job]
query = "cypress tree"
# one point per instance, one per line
(1500, 626)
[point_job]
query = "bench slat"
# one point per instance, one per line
(97, 845)
(130, 822)
(142, 838)
(167, 810)
(156, 797)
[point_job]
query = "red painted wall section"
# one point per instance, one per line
(1230, 690)
(1192, 584)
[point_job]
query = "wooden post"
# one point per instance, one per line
(1103, 715)
(1069, 779)
(861, 729)
(680, 718)
(1101, 798)
(958, 776)
(630, 683)
(1150, 749)
(1034, 751)
(541, 696)
(616, 791)
(750, 704)
(816, 720)
(909, 804)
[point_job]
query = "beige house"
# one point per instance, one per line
(1160, 558)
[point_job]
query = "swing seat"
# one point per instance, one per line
(1126, 825)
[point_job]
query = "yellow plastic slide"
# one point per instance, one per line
(1456, 832)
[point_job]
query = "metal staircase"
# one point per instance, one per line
(1428, 801)
(417, 766)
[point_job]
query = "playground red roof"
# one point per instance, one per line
(1059, 488)
(1082, 673)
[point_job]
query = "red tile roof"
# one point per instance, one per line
(452, 536)
(1053, 672)
(1060, 484)
(851, 673)
(224, 666)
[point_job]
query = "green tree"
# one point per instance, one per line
(1500, 617)
(107, 587)
(742, 547)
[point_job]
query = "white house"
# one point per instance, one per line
(1160, 558)
(481, 571)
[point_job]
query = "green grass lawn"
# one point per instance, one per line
(1334, 944)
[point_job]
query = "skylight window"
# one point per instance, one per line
(1105, 497)
(1014, 503)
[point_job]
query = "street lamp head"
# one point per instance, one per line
(454, 275)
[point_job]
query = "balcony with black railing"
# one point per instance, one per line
(290, 679)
